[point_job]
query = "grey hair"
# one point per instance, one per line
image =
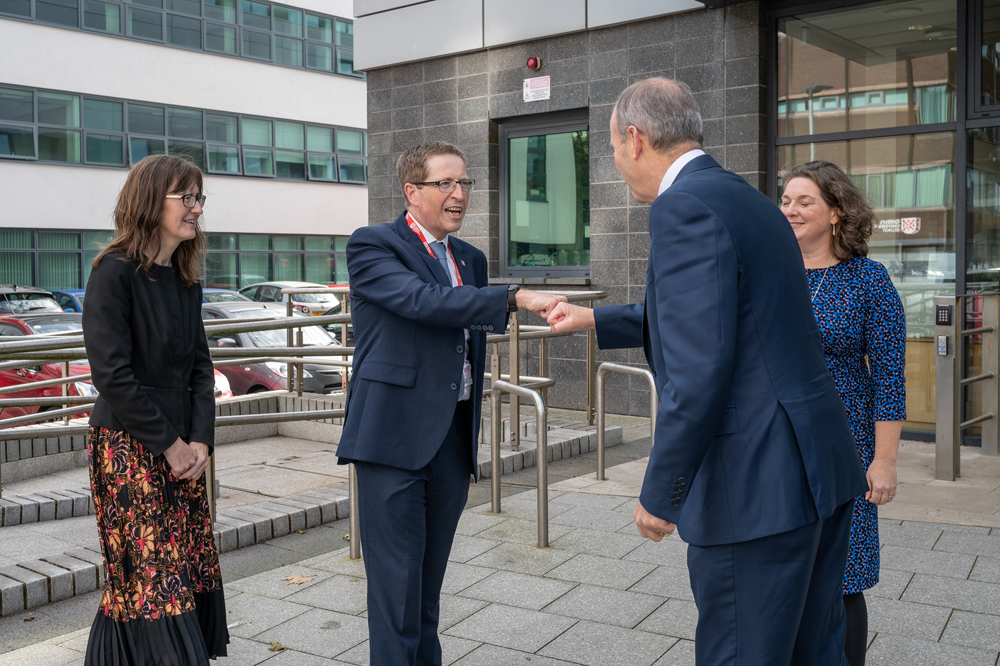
(664, 110)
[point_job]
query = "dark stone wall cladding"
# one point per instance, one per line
(719, 53)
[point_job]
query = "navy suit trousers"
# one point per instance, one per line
(408, 522)
(773, 601)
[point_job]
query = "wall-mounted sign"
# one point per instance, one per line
(537, 89)
(906, 225)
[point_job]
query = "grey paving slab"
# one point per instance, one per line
(676, 617)
(971, 543)
(602, 645)
(454, 609)
(681, 654)
(913, 535)
(605, 605)
(592, 518)
(889, 650)
(628, 507)
(917, 560)
(891, 584)
(887, 616)
(343, 594)
(602, 571)
(294, 658)
(491, 655)
(247, 653)
(251, 614)
(459, 576)
(597, 542)
(465, 548)
(671, 552)
(951, 593)
(471, 523)
(454, 648)
(337, 562)
(522, 558)
(319, 632)
(986, 569)
(671, 582)
(273, 584)
(515, 589)
(974, 630)
(510, 627)
(526, 508)
(606, 502)
(514, 530)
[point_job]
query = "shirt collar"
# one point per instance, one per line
(671, 175)
(428, 235)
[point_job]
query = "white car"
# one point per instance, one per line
(308, 304)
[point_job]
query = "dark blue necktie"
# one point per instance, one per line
(437, 247)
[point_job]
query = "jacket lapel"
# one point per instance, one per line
(464, 263)
(404, 231)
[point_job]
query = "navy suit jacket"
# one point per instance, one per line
(752, 438)
(410, 344)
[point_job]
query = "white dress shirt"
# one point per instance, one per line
(450, 262)
(671, 175)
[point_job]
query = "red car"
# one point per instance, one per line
(13, 327)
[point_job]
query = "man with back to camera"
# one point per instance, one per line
(422, 310)
(754, 462)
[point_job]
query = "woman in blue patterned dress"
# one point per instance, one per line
(861, 319)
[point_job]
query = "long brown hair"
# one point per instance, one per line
(140, 207)
(855, 215)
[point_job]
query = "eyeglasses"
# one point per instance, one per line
(189, 199)
(447, 186)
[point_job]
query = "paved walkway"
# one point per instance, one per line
(602, 595)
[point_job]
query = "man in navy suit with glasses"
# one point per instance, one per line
(754, 462)
(422, 309)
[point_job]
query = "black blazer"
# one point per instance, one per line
(148, 354)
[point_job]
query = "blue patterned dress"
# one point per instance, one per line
(860, 314)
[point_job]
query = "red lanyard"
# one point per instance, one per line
(415, 229)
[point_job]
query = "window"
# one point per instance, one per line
(63, 127)
(545, 196)
(240, 28)
(239, 260)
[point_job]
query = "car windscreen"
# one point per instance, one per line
(313, 298)
(224, 297)
(57, 326)
(79, 299)
(21, 303)
(311, 336)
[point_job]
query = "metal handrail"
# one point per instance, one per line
(654, 404)
(541, 452)
(17, 388)
(46, 401)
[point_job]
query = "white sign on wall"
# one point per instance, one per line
(537, 89)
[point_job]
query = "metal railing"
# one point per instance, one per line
(654, 403)
(950, 348)
(541, 452)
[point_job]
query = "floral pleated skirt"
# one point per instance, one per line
(163, 602)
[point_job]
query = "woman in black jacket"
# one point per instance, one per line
(152, 428)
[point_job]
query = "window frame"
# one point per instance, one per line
(518, 127)
(127, 137)
(124, 7)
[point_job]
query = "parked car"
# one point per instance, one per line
(211, 295)
(70, 300)
(270, 375)
(17, 299)
(12, 327)
(308, 304)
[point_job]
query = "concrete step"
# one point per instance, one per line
(22, 509)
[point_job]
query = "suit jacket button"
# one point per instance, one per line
(454, 387)
(460, 349)
(474, 327)
(676, 502)
(489, 328)
(681, 481)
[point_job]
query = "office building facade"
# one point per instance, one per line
(903, 95)
(262, 96)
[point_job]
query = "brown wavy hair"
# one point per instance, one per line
(855, 216)
(140, 207)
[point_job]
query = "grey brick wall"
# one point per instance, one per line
(718, 52)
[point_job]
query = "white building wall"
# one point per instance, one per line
(54, 196)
